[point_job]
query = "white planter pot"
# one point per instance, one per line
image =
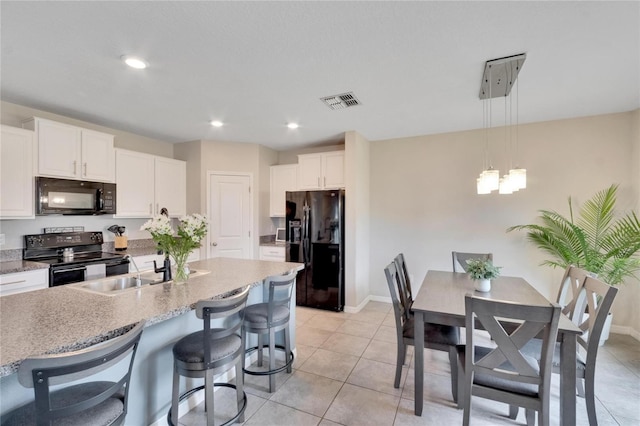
(482, 285)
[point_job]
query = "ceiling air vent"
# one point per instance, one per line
(345, 100)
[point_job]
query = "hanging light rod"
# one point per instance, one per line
(498, 80)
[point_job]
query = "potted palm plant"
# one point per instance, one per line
(597, 239)
(482, 272)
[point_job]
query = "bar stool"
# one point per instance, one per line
(211, 351)
(268, 318)
(95, 402)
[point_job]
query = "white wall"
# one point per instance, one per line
(357, 218)
(424, 202)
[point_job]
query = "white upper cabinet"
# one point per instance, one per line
(16, 173)
(171, 186)
(321, 171)
(147, 183)
(283, 178)
(134, 184)
(98, 156)
(71, 152)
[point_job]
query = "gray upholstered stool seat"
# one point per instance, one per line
(268, 318)
(103, 414)
(211, 351)
(189, 349)
(78, 404)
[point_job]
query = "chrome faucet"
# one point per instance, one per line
(138, 280)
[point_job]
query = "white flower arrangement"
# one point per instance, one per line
(191, 231)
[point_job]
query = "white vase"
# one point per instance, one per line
(482, 285)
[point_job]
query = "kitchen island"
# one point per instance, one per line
(64, 318)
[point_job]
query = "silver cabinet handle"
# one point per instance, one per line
(318, 181)
(85, 169)
(74, 167)
(150, 208)
(214, 244)
(14, 282)
(325, 181)
(157, 208)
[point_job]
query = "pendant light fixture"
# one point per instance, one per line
(497, 80)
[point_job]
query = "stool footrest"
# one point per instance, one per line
(269, 372)
(190, 392)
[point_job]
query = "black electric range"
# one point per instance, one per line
(70, 254)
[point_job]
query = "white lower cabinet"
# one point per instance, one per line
(273, 253)
(145, 263)
(21, 282)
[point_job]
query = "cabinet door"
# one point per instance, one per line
(58, 149)
(310, 171)
(97, 156)
(275, 254)
(135, 184)
(16, 173)
(171, 186)
(333, 170)
(21, 282)
(283, 178)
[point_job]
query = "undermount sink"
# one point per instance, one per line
(112, 286)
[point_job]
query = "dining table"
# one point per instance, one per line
(440, 300)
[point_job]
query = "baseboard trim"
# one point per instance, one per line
(623, 329)
(356, 309)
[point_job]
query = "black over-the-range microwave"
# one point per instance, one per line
(74, 197)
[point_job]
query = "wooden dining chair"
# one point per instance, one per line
(459, 259)
(504, 372)
(571, 290)
(438, 337)
(404, 280)
(590, 313)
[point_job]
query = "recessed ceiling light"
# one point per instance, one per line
(292, 125)
(217, 123)
(134, 62)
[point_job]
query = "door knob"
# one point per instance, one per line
(214, 244)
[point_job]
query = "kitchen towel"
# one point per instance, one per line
(93, 272)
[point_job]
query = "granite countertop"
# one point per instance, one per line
(13, 266)
(61, 319)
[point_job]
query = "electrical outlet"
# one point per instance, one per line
(2, 240)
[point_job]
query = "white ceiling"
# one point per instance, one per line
(415, 66)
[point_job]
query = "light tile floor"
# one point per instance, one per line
(344, 369)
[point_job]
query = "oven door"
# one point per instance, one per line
(61, 275)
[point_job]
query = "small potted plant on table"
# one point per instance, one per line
(482, 272)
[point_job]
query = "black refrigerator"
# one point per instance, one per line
(315, 237)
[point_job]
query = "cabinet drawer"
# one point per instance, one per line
(24, 281)
(272, 253)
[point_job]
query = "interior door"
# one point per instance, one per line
(230, 216)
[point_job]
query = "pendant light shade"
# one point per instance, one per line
(497, 81)
(482, 187)
(518, 178)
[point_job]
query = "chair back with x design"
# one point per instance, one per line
(504, 373)
(571, 290)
